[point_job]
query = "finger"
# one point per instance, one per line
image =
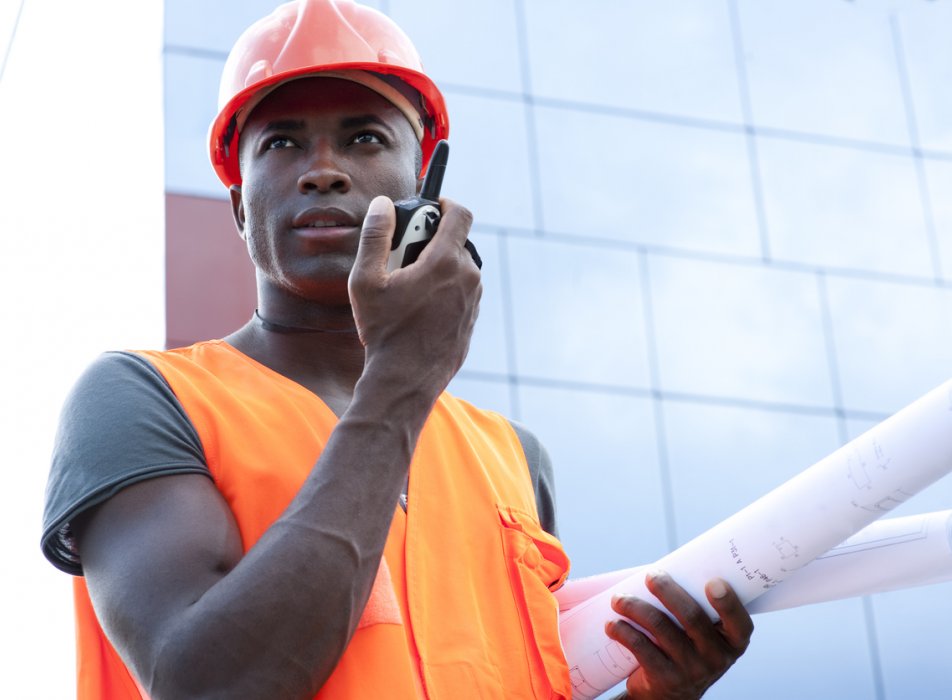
(678, 601)
(736, 624)
(694, 620)
(666, 635)
(652, 660)
(453, 229)
(375, 239)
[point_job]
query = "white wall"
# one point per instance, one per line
(82, 256)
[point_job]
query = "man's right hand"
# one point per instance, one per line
(418, 319)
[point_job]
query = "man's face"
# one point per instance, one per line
(314, 153)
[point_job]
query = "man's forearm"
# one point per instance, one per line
(281, 618)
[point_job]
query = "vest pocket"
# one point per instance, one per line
(537, 564)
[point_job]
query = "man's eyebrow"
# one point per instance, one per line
(284, 125)
(351, 122)
(364, 120)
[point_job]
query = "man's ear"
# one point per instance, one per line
(237, 209)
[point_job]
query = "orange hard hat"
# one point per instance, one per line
(338, 37)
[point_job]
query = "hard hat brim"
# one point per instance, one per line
(223, 134)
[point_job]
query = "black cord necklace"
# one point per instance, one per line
(273, 327)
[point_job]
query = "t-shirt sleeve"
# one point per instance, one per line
(543, 477)
(121, 424)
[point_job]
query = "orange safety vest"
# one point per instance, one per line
(461, 607)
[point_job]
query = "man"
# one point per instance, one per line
(299, 510)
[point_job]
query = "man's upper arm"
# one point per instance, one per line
(149, 552)
(130, 504)
(120, 425)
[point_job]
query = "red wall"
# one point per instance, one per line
(209, 280)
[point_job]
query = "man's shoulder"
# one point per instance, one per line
(210, 360)
(112, 372)
(120, 424)
(198, 352)
(122, 373)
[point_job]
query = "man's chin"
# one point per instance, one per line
(328, 292)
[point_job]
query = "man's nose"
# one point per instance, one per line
(324, 173)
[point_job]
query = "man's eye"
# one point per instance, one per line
(277, 142)
(367, 137)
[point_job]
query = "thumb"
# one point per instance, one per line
(375, 237)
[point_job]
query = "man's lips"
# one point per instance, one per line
(329, 219)
(327, 229)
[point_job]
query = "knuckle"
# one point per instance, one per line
(361, 284)
(444, 264)
(696, 617)
(355, 281)
(623, 633)
(724, 661)
(636, 641)
(654, 618)
(457, 214)
(374, 236)
(741, 646)
(465, 215)
(720, 658)
(358, 278)
(376, 226)
(472, 276)
(726, 657)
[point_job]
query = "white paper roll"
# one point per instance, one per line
(887, 555)
(766, 542)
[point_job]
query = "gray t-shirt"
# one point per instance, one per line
(123, 424)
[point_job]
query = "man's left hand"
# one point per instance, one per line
(681, 662)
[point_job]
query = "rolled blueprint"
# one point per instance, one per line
(885, 556)
(761, 545)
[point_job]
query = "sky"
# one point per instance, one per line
(82, 219)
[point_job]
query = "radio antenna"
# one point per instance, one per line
(433, 182)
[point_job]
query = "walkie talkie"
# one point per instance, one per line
(418, 217)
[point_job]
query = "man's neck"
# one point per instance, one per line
(328, 362)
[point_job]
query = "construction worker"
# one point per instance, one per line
(299, 510)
